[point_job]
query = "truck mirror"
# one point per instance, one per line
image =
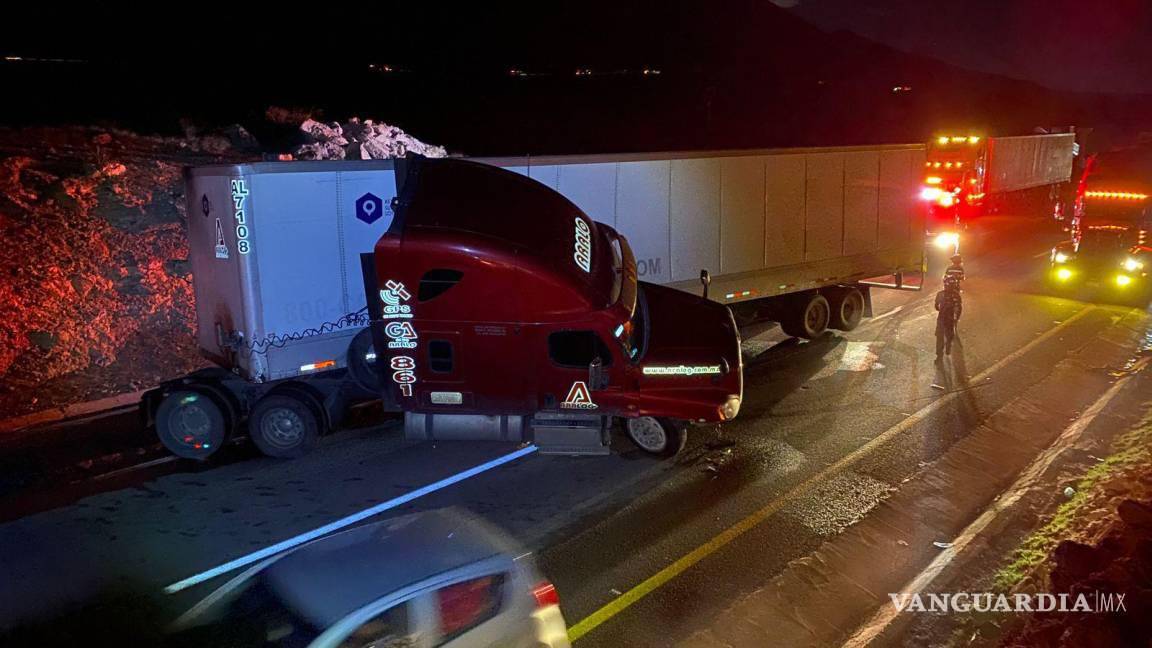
(705, 279)
(595, 370)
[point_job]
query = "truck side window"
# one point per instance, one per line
(577, 348)
(436, 282)
(440, 356)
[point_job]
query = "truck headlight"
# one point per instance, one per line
(946, 240)
(1060, 257)
(730, 408)
(1132, 265)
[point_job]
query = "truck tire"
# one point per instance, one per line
(191, 423)
(362, 364)
(661, 437)
(283, 425)
(808, 318)
(847, 309)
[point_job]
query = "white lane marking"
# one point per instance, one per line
(346, 521)
(881, 316)
(140, 466)
(1031, 475)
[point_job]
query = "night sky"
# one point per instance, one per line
(1076, 45)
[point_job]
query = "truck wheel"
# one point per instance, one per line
(847, 306)
(657, 436)
(362, 364)
(808, 318)
(282, 425)
(191, 424)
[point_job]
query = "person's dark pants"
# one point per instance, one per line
(945, 332)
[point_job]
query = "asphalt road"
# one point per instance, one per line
(642, 551)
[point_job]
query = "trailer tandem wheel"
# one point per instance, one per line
(284, 424)
(847, 307)
(192, 423)
(808, 316)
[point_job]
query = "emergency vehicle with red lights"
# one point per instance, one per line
(1110, 247)
(967, 175)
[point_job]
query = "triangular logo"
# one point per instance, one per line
(578, 397)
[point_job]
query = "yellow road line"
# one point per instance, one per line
(624, 601)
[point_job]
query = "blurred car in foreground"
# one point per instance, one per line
(439, 578)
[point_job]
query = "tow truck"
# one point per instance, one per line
(1110, 247)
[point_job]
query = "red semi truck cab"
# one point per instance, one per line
(506, 312)
(953, 184)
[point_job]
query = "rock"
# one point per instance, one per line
(1074, 562)
(1136, 515)
(283, 116)
(43, 339)
(241, 139)
(178, 267)
(214, 144)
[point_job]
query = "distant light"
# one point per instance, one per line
(946, 200)
(942, 140)
(933, 180)
(947, 165)
(1063, 274)
(1132, 265)
(973, 140)
(1060, 257)
(1123, 280)
(930, 193)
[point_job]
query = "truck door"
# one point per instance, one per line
(567, 382)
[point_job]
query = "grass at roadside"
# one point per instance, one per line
(1132, 450)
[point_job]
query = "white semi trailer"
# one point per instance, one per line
(792, 235)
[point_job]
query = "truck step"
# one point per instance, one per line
(558, 433)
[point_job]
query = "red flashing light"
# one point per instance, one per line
(546, 595)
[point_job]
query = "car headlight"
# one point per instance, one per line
(1132, 265)
(1060, 257)
(1063, 274)
(1123, 280)
(730, 408)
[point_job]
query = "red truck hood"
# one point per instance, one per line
(692, 364)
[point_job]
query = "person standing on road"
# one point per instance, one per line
(954, 274)
(948, 307)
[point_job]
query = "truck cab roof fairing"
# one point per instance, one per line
(526, 217)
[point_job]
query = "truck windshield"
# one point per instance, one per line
(637, 341)
(617, 271)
